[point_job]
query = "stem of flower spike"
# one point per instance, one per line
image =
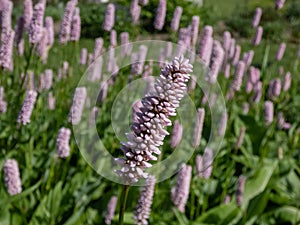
(123, 203)
(27, 64)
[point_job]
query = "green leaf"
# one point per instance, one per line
(259, 182)
(182, 220)
(288, 214)
(221, 215)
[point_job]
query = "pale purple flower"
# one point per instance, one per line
(222, 124)
(20, 48)
(249, 58)
(148, 134)
(93, 116)
(12, 178)
(269, 112)
(207, 162)
(3, 103)
(227, 71)
(280, 51)
(6, 16)
(35, 30)
(135, 11)
(98, 47)
(138, 60)
(206, 43)
(216, 62)
(180, 193)
(176, 134)
(237, 54)
(194, 30)
(96, 73)
(113, 38)
(249, 86)
(176, 18)
(197, 133)
(287, 81)
(143, 207)
(111, 208)
(50, 30)
(257, 91)
(257, 17)
(90, 58)
(169, 49)
(258, 36)
(6, 50)
(109, 20)
(77, 105)
(125, 46)
(238, 76)
(42, 50)
(240, 190)
(83, 56)
(240, 140)
(199, 165)
(75, 25)
(160, 15)
(231, 48)
(27, 107)
(184, 38)
(51, 101)
(66, 23)
(279, 4)
(226, 41)
(62, 143)
(103, 92)
(48, 78)
(27, 13)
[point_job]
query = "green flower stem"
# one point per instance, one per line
(123, 203)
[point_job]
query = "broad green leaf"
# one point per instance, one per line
(257, 184)
(221, 215)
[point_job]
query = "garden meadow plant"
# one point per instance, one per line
(251, 177)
